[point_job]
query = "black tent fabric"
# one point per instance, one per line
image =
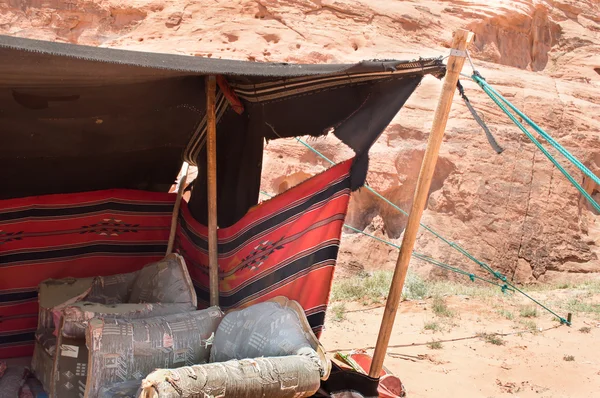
(77, 118)
(348, 383)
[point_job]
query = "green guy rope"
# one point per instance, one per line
(423, 257)
(430, 260)
(483, 265)
(449, 243)
(497, 98)
(563, 151)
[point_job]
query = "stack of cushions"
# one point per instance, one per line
(105, 336)
(67, 306)
(265, 350)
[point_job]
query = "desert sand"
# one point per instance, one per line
(533, 356)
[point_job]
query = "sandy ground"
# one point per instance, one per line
(525, 365)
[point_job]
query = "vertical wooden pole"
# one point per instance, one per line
(461, 40)
(211, 173)
(175, 216)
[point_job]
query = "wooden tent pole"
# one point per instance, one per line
(211, 172)
(180, 189)
(461, 40)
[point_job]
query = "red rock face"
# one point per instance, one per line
(512, 210)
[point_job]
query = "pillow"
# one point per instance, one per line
(275, 328)
(292, 376)
(166, 281)
(126, 350)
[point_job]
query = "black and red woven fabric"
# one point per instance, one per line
(285, 246)
(71, 235)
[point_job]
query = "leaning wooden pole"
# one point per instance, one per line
(461, 40)
(211, 173)
(180, 188)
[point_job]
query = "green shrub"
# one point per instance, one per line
(440, 308)
(528, 312)
(435, 345)
(338, 312)
(433, 326)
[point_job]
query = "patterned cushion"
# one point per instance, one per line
(57, 292)
(77, 316)
(274, 328)
(112, 289)
(293, 376)
(166, 281)
(70, 372)
(42, 364)
(159, 289)
(124, 350)
(127, 389)
(47, 339)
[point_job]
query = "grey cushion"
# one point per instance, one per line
(123, 350)
(77, 315)
(274, 328)
(166, 281)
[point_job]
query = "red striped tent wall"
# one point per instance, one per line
(285, 246)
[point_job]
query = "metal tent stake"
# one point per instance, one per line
(211, 173)
(462, 38)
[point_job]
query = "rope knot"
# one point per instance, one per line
(476, 73)
(472, 277)
(563, 321)
(499, 275)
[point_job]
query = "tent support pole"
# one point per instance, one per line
(462, 39)
(211, 173)
(180, 188)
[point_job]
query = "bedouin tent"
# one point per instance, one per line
(93, 138)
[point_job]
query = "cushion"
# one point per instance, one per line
(71, 368)
(77, 315)
(42, 364)
(123, 350)
(275, 328)
(127, 389)
(56, 292)
(47, 340)
(166, 281)
(293, 376)
(112, 289)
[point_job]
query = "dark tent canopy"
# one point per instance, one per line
(77, 118)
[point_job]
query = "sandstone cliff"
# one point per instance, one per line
(512, 210)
